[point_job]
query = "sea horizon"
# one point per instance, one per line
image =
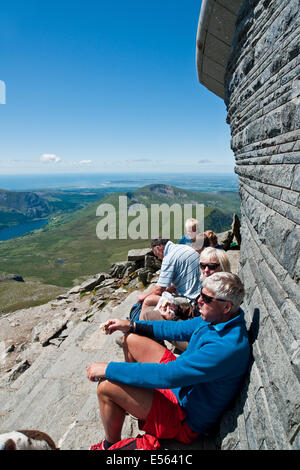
(189, 181)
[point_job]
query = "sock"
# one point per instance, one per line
(107, 444)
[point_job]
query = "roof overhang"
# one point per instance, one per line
(215, 34)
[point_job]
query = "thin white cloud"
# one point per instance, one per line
(85, 162)
(2, 92)
(48, 158)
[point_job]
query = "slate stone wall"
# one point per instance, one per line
(263, 102)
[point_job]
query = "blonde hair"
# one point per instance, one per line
(192, 223)
(217, 254)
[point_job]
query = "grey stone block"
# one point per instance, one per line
(134, 255)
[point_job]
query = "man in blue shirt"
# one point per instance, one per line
(177, 397)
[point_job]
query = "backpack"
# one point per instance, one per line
(144, 442)
(135, 311)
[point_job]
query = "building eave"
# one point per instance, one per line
(215, 34)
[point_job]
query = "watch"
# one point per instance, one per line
(132, 327)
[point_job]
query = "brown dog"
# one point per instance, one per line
(26, 440)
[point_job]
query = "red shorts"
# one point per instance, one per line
(166, 419)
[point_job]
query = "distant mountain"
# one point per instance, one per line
(17, 207)
(226, 201)
(219, 207)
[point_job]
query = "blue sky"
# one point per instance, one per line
(102, 87)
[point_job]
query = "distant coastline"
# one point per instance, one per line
(122, 181)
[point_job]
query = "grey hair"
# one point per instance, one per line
(218, 254)
(227, 286)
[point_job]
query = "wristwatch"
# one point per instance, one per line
(132, 327)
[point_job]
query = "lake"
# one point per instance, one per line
(21, 229)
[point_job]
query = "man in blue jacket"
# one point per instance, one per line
(177, 397)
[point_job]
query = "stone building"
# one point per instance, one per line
(248, 55)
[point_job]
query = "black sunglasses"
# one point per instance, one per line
(209, 265)
(207, 299)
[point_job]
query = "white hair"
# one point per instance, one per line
(227, 286)
(192, 223)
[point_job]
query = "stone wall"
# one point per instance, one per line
(263, 102)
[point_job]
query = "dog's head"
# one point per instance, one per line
(26, 440)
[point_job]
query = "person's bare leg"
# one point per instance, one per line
(115, 399)
(141, 349)
(150, 301)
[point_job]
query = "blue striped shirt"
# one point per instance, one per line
(181, 266)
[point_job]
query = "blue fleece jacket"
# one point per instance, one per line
(205, 377)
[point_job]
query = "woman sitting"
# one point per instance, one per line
(213, 260)
(175, 307)
(213, 239)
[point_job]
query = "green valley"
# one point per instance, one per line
(67, 250)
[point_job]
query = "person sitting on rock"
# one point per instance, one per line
(177, 397)
(180, 271)
(213, 239)
(213, 260)
(191, 227)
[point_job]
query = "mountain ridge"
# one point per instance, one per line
(17, 207)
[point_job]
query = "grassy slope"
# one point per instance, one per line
(17, 295)
(63, 253)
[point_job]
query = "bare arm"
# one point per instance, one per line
(156, 290)
(115, 324)
(96, 371)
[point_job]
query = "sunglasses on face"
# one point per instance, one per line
(207, 299)
(209, 265)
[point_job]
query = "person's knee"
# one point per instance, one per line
(150, 301)
(128, 340)
(104, 389)
(133, 345)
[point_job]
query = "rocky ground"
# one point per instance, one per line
(25, 333)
